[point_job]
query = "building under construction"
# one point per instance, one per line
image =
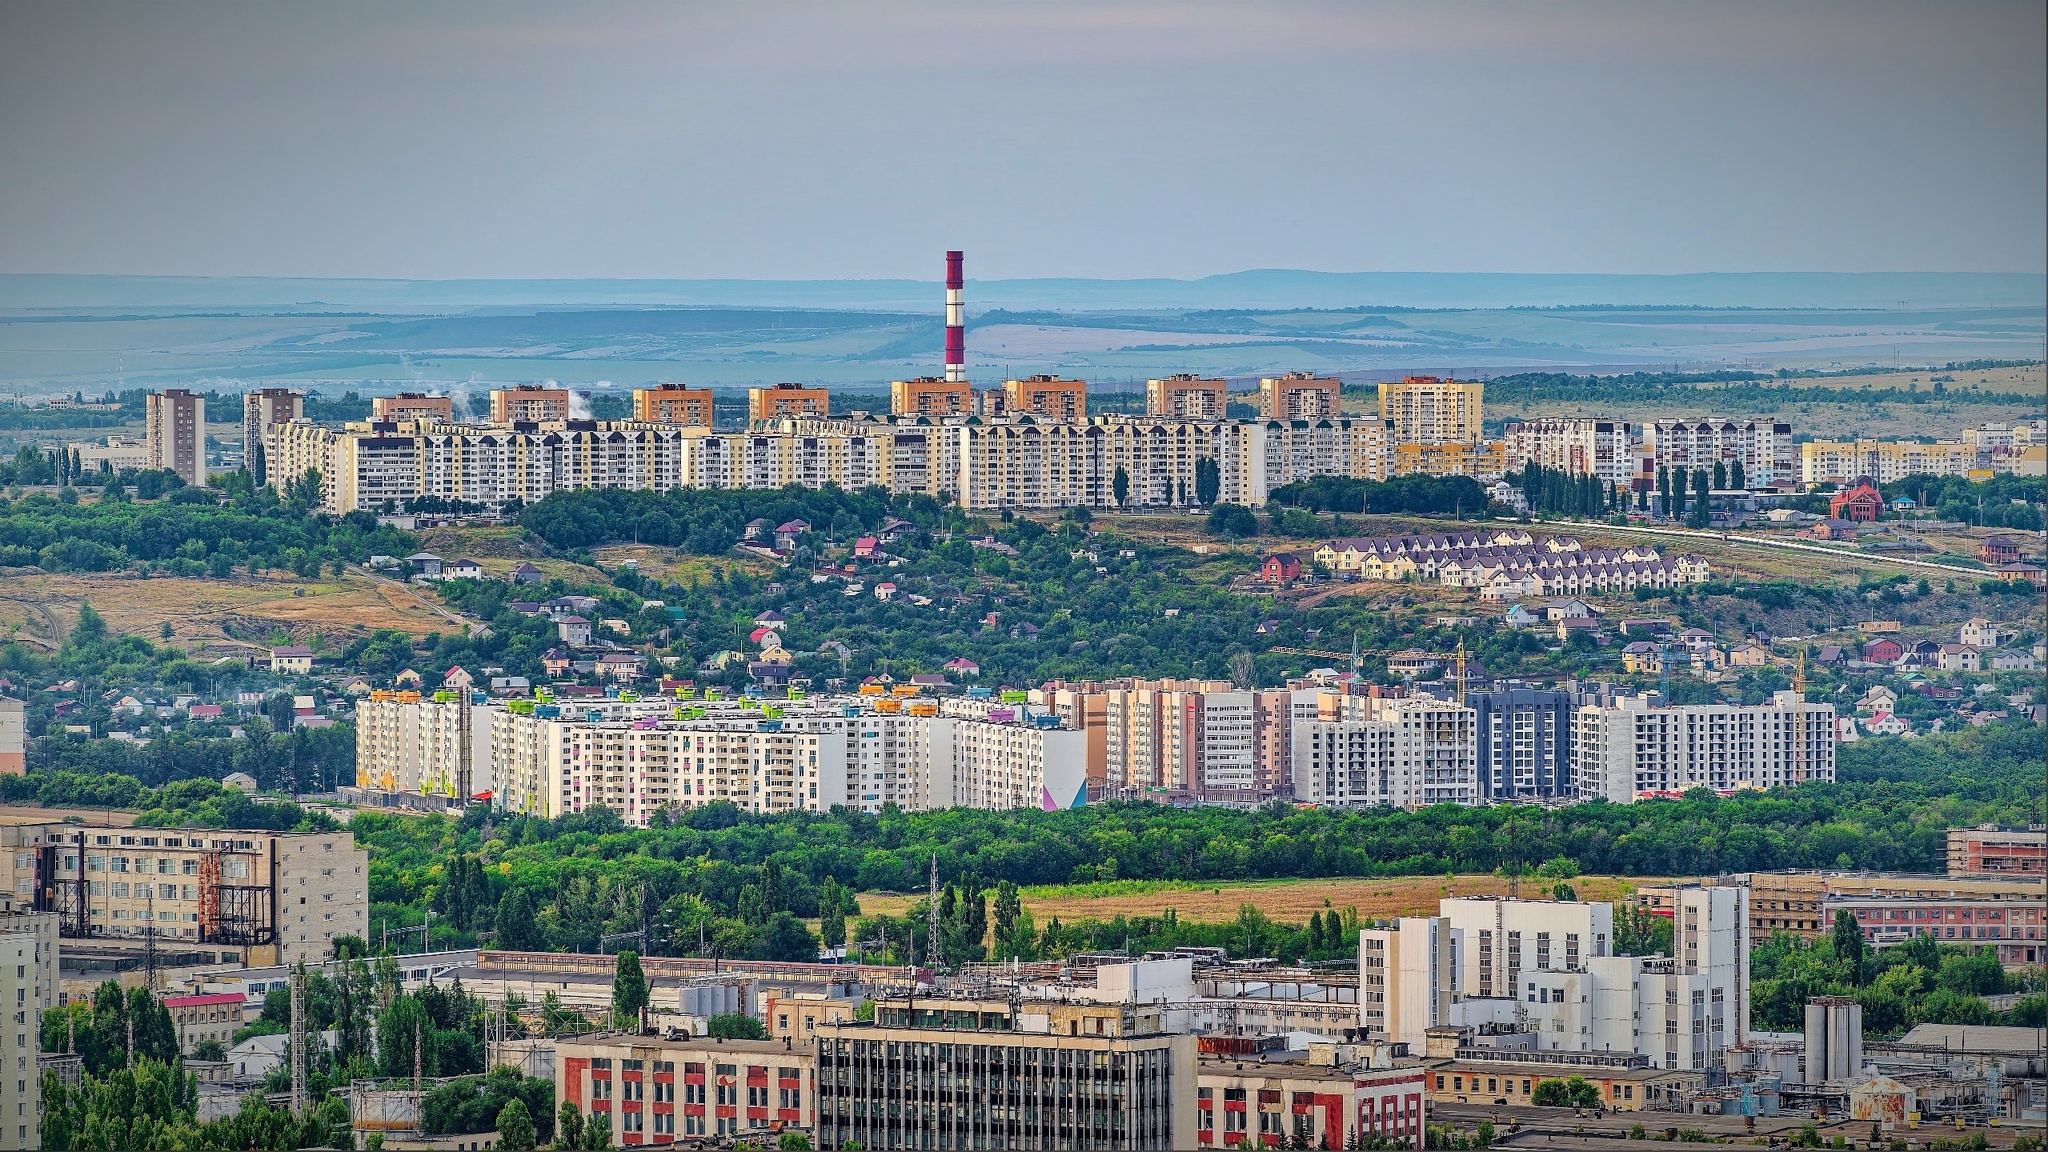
(230, 896)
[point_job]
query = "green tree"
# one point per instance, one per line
(735, 1026)
(514, 924)
(1208, 481)
(515, 1127)
(1120, 486)
(1847, 940)
(629, 988)
(831, 914)
(569, 1126)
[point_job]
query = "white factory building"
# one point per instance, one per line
(1541, 975)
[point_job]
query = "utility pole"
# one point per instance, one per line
(416, 1057)
(298, 991)
(931, 938)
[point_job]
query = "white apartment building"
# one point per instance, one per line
(638, 757)
(1609, 449)
(1630, 750)
(1404, 753)
(437, 745)
(28, 982)
(1545, 968)
(1763, 447)
(1016, 462)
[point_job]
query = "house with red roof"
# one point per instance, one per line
(1861, 503)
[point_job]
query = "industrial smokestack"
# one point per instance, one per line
(956, 321)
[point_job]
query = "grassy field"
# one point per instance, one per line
(214, 617)
(1290, 901)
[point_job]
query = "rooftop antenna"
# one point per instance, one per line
(931, 930)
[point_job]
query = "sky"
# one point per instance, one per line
(858, 140)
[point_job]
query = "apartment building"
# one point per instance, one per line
(1403, 752)
(1300, 396)
(1429, 410)
(261, 409)
(673, 404)
(530, 404)
(1005, 761)
(786, 401)
(931, 396)
(1525, 741)
(1988, 850)
(412, 406)
(996, 1074)
(1483, 461)
(1085, 709)
(254, 896)
(1195, 736)
(1628, 750)
(28, 975)
(651, 1091)
(1185, 396)
(1611, 450)
(1842, 462)
(1046, 397)
(13, 737)
(435, 745)
(1763, 447)
(174, 433)
(205, 1016)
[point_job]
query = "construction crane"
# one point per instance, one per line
(1357, 656)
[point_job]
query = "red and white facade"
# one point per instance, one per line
(1267, 1103)
(653, 1092)
(956, 320)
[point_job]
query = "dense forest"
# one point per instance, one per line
(226, 527)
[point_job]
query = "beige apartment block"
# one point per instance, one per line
(673, 404)
(1299, 396)
(1185, 396)
(1046, 396)
(412, 406)
(931, 396)
(787, 400)
(1430, 410)
(253, 896)
(174, 428)
(28, 971)
(529, 404)
(261, 409)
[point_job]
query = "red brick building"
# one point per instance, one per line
(1861, 503)
(1989, 850)
(1267, 1104)
(1280, 567)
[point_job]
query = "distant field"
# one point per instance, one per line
(201, 613)
(1289, 901)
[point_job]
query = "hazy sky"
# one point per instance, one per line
(765, 140)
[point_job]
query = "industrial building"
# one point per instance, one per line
(971, 1073)
(250, 897)
(1987, 850)
(655, 1091)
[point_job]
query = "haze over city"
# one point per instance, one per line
(778, 141)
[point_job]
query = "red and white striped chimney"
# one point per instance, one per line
(956, 321)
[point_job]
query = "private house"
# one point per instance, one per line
(1280, 568)
(574, 631)
(526, 573)
(291, 660)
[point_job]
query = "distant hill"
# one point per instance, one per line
(1262, 288)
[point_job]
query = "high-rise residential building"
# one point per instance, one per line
(1611, 450)
(673, 404)
(1196, 736)
(28, 979)
(1484, 461)
(1763, 447)
(1046, 397)
(174, 428)
(1630, 749)
(436, 745)
(261, 409)
(1085, 709)
(1525, 742)
(786, 401)
(931, 396)
(1430, 410)
(254, 897)
(1299, 396)
(957, 1073)
(1185, 396)
(412, 406)
(530, 404)
(1403, 752)
(13, 737)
